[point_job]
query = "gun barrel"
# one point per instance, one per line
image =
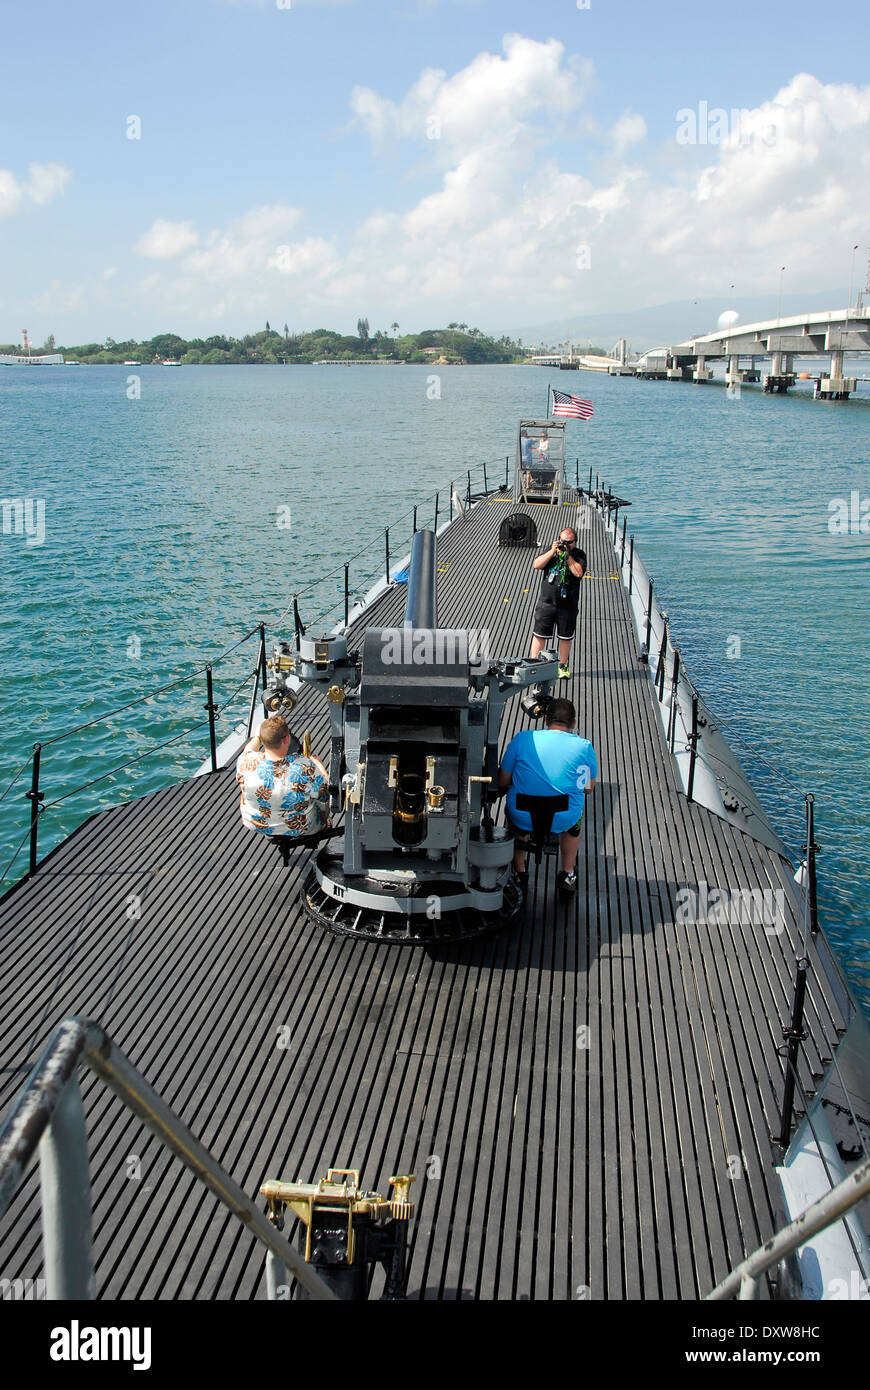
(421, 605)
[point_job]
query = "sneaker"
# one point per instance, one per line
(566, 883)
(564, 673)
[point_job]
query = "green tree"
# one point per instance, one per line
(166, 345)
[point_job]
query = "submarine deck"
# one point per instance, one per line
(586, 1098)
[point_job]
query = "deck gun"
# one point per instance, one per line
(415, 713)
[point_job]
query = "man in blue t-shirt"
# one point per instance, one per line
(550, 762)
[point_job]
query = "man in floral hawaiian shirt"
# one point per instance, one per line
(281, 794)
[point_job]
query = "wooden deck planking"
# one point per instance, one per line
(562, 1165)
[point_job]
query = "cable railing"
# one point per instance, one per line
(343, 606)
(36, 795)
(48, 1117)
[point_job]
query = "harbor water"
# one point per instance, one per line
(170, 511)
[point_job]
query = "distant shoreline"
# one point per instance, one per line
(457, 344)
(384, 362)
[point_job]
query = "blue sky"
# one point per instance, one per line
(297, 164)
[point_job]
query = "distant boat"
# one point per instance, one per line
(48, 359)
(128, 362)
(170, 362)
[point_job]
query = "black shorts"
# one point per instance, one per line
(523, 834)
(551, 617)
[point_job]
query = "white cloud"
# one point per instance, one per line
(502, 231)
(246, 246)
(628, 130)
(165, 239)
(43, 183)
(507, 232)
(249, 263)
(485, 104)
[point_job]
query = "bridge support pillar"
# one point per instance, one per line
(780, 377)
(702, 372)
(835, 387)
(674, 371)
(733, 376)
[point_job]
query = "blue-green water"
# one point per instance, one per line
(163, 546)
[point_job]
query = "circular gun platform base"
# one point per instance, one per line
(374, 923)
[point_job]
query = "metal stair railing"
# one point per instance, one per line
(743, 1279)
(49, 1113)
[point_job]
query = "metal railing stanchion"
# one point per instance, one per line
(253, 705)
(794, 1035)
(663, 653)
(675, 681)
(693, 747)
(812, 849)
(211, 707)
(264, 676)
(35, 797)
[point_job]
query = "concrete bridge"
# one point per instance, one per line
(834, 333)
(619, 363)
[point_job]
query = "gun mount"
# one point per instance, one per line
(346, 1231)
(415, 713)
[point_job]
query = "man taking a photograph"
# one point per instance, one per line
(556, 612)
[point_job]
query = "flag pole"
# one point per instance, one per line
(547, 411)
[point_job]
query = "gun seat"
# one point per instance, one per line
(542, 810)
(286, 843)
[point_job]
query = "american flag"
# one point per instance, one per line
(564, 404)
